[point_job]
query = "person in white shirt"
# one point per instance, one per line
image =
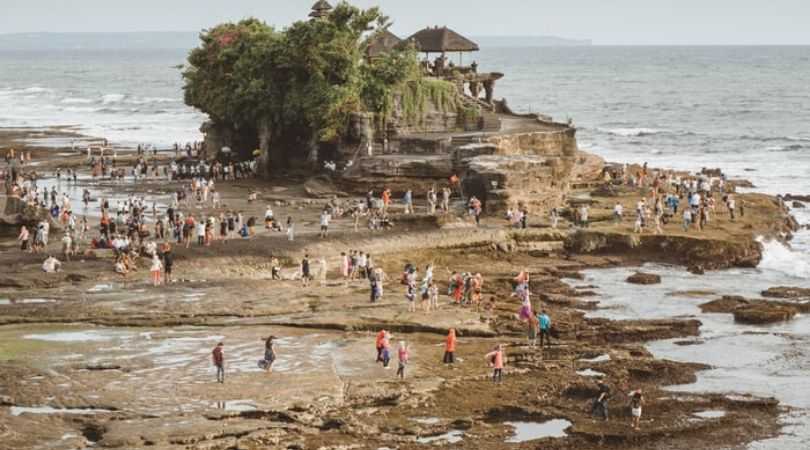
(325, 218)
(618, 212)
(67, 246)
(200, 231)
(155, 270)
(268, 217)
(51, 265)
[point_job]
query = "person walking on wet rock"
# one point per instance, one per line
(306, 271)
(450, 347)
(269, 354)
(636, 402)
(218, 357)
(496, 360)
(378, 344)
(403, 355)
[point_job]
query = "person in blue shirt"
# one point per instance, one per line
(545, 328)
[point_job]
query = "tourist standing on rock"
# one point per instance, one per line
(24, 238)
(431, 201)
(636, 402)
(545, 328)
(532, 331)
(325, 218)
(156, 268)
(496, 360)
(554, 217)
(687, 219)
(378, 344)
(410, 290)
(306, 274)
(290, 229)
(386, 199)
(218, 358)
(433, 293)
(583, 216)
(446, 199)
(275, 269)
(618, 212)
(450, 347)
(386, 350)
(403, 355)
(407, 199)
(168, 263)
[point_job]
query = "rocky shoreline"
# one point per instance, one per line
(125, 365)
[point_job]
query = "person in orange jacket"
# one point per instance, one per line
(378, 343)
(496, 361)
(450, 347)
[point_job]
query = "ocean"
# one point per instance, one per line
(743, 109)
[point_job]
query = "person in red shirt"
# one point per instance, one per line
(450, 346)
(218, 357)
(378, 343)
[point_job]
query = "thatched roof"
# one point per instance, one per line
(440, 40)
(381, 42)
(320, 9)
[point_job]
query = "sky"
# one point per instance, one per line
(606, 22)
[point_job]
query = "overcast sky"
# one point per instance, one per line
(603, 21)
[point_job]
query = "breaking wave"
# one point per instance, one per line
(632, 132)
(779, 258)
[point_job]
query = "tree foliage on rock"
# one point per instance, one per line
(303, 82)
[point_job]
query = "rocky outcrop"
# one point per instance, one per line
(786, 292)
(763, 313)
(711, 254)
(16, 212)
(644, 278)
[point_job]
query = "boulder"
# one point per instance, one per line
(644, 278)
(786, 292)
(797, 204)
(763, 313)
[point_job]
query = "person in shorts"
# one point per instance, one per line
(636, 402)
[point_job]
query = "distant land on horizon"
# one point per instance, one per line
(189, 39)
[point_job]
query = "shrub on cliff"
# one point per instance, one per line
(301, 83)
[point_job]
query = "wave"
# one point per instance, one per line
(76, 100)
(786, 148)
(147, 100)
(753, 137)
(112, 98)
(632, 132)
(779, 258)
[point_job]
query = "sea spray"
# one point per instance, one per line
(778, 257)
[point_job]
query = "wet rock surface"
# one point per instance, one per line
(644, 278)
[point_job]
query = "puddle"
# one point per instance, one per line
(78, 336)
(590, 373)
(25, 301)
(711, 414)
(529, 431)
(598, 359)
(427, 420)
(18, 410)
(451, 437)
(100, 288)
(237, 405)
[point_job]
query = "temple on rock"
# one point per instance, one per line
(449, 123)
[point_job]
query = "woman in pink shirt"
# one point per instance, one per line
(496, 361)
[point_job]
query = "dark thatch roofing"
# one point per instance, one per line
(440, 40)
(320, 9)
(382, 42)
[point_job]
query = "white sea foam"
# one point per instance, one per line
(630, 132)
(779, 258)
(112, 98)
(77, 100)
